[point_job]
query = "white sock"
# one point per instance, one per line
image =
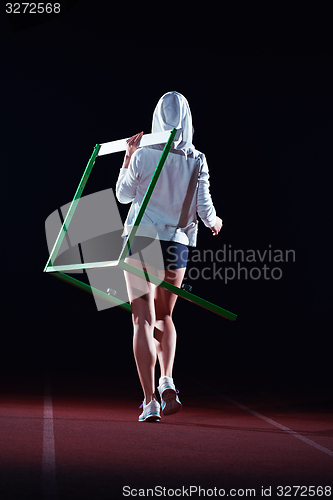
(165, 379)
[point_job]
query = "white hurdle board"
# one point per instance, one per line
(146, 140)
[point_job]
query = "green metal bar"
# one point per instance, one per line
(72, 207)
(179, 291)
(148, 194)
(92, 290)
(153, 279)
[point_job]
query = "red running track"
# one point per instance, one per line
(234, 442)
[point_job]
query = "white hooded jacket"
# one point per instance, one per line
(182, 189)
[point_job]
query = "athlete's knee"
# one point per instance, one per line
(143, 320)
(164, 316)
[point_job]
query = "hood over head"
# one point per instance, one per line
(173, 111)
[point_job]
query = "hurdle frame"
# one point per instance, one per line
(57, 271)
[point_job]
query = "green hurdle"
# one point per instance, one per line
(56, 271)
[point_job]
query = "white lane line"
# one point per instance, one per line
(280, 426)
(49, 491)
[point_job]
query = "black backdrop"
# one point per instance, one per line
(259, 84)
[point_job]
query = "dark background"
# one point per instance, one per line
(259, 84)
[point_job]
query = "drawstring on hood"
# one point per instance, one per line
(173, 111)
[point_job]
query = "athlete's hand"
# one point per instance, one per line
(132, 144)
(217, 226)
(131, 147)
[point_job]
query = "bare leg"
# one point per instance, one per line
(141, 295)
(165, 331)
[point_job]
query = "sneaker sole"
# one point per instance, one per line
(150, 418)
(171, 404)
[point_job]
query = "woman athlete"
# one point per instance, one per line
(168, 227)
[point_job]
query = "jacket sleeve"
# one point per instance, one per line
(205, 207)
(128, 181)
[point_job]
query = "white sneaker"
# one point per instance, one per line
(151, 412)
(169, 399)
